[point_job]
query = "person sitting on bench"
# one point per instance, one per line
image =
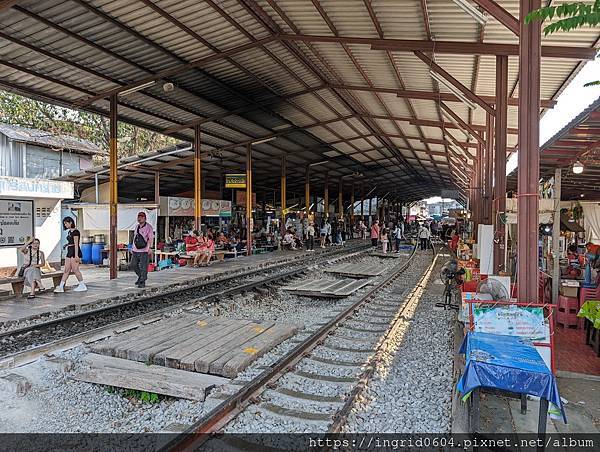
(34, 260)
(288, 241)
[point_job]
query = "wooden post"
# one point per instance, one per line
(326, 197)
(114, 194)
(556, 236)
(283, 193)
(489, 166)
(197, 179)
(529, 153)
(249, 199)
(341, 200)
(352, 208)
(362, 201)
(307, 191)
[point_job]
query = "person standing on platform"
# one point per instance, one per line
(310, 232)
(140, 249)
(73, 258)
(424, 236)
(328, 233)
(375, 233)
(384, 240)
(362, 228)
(397, 236)
(323, 233)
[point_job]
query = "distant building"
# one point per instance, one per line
(37, 154)
(29, 158)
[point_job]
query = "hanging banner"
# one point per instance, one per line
(235, 181)
(175, 206)
(216, 208)
(16, 221)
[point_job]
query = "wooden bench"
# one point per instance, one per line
(19, 283)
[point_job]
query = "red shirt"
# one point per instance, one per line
(191, 243)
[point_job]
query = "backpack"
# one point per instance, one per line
(138, 240)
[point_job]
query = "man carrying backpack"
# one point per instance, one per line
(140, 250)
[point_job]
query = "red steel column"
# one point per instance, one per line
(197, 179)
(489, 169)
(362, 201)
(529, 152)
(114, 194)
(307, 191)
(249, 199)
(500, 159)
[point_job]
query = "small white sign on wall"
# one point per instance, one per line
(16, 222)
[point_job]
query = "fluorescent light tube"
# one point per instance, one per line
(453, 90)
(137, 88)
(265, 140)
(471, 11)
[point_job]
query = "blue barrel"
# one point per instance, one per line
(97, 253)
(86, 251)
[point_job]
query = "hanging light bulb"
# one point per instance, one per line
(577, 167)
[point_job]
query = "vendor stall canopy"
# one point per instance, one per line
(344, 81)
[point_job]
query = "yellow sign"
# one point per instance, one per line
(235, 181)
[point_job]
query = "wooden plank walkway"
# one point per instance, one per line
(328, 288)
(123, 373)
(199, 343)
(354, 270)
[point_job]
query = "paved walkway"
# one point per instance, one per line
(503, 415)
(101, 288)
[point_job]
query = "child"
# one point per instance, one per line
(384, 240)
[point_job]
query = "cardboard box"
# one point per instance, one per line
(568, 291)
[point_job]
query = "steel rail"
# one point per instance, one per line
(30, 354)
(222, 414)
(341, 416)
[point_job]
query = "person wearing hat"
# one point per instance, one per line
(140, 249)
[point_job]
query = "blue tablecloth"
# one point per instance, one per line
(509, 363)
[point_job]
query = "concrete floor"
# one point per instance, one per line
(503, 414)
(101, 288)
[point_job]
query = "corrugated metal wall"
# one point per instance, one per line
(11, 157)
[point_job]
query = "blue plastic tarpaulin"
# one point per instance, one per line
(508, 363)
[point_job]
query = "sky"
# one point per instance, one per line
(573, 100)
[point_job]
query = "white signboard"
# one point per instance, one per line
(512, 320)
(35, 188)
(16, 221)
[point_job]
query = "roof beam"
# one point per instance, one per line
(462, 123)
(456, 48)
(449, 125)
(500, 14)
(429, 95)
(433, 66)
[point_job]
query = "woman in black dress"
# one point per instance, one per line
(73, 258)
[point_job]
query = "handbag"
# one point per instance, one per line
(22, 269)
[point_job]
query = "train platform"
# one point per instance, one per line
(16, 308)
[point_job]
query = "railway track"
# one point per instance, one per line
(341, 355)
(22, 345)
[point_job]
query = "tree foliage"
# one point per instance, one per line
(25, 112)
(572, 16)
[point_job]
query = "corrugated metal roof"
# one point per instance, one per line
(343, 94)
(50, 140)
